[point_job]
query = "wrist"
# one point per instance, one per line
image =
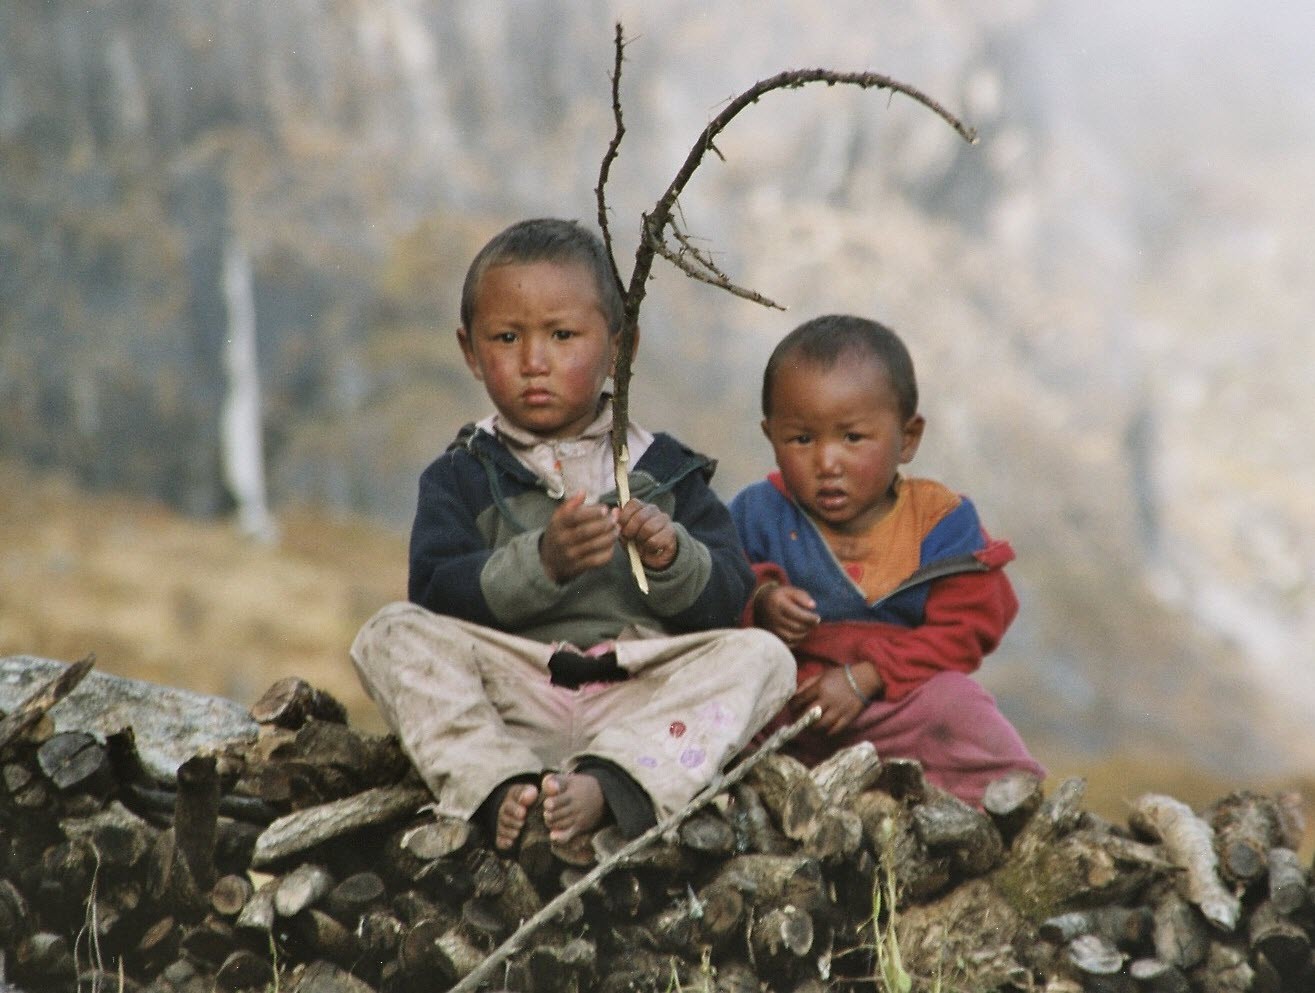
(865, 681)
(759, 596)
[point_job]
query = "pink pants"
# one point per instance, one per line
(950, 724)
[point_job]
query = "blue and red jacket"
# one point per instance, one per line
(947, 615)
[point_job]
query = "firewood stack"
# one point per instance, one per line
(310, 860)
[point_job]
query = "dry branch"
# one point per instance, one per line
(655, 224)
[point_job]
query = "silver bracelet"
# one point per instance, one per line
(853, 684)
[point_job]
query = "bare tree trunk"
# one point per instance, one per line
(241, 431)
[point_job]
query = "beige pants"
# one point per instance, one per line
(473, 706)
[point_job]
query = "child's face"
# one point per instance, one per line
(839, 438)
(541, 346)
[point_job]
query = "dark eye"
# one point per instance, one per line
(799, 439)
(563, 334)
(505, 337)
(853, 436)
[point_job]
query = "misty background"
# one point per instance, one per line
(232, 237)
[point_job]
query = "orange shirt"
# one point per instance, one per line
(890, 551)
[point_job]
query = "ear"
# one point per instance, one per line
(468, 353)
(912, 438)
(766, 431)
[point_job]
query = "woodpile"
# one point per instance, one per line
(310, 860)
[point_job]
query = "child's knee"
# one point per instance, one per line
(768, 656)
(954, 700)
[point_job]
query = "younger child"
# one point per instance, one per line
(527, 665)
(887, 588)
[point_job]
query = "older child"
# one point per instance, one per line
(527, 665)
(887, 588)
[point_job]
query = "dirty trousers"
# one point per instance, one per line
(473, 706)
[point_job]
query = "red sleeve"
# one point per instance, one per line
(966, 616)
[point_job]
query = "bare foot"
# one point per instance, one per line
(573, 804)
(513, 810)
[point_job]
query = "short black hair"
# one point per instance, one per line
(547, 239)
(823, 341)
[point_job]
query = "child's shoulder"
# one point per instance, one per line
(668, 457)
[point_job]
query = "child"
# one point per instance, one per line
(887, 588)
(528, 665)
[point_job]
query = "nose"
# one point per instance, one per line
(534, 356)
(826, 459)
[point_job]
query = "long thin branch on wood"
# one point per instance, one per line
(655, 223)
(554, 906)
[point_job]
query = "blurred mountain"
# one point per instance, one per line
(1107, 296)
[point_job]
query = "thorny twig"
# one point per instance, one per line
(554, 906)
(656, 222)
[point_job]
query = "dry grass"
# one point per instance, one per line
(188, 603)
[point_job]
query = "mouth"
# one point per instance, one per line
(830, 499)
(535, 397)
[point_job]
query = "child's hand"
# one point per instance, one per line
(651, 531)
(579, 537)
(831, 691)
(786, 611)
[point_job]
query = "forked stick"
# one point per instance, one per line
(655, 224)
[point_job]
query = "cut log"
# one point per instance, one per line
(1279, 938)
(1226, 970)
(754, 830)
(1180, 935)
(257, 916)
(1012, 800)
(243, 970)
(780, 937)
(1154, 976)
(169, 880)
(788, 791)
(75, 760)
(970, 936)
(196, 815)
(903, 779)
(300, 831)
(1094, 956)
(353, 896)
(1246, 827)
(564, 968)
(30, 711)
(121, 838)
(947, 825)
(326, 977)
(1126, 928)
(292, 701)
(1189, 842)
(320, 936)
(708, 833)
(1288, 883)
(437, 839)
(775, 880)
(303, 887)
(888, 828)
(1081, 869)
(230, 894)
(846, 773)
